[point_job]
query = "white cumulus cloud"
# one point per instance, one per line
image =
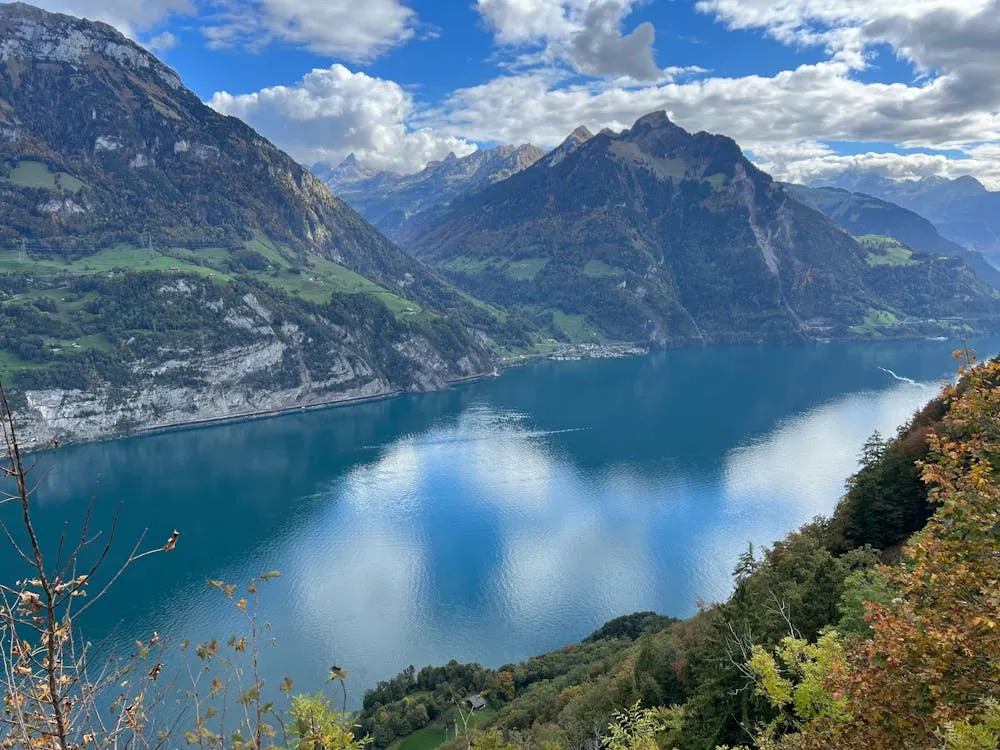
(349, 29)
(333, 112)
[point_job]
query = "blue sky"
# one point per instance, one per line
(809, 87)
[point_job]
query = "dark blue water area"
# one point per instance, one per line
(492, 521)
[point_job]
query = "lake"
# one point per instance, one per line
(493, 521)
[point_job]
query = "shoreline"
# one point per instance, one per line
(576, 352)
(611, 352)
(260, 415)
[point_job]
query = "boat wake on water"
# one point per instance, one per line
(902, 378)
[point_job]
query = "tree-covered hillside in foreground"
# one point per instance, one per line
(875, 628)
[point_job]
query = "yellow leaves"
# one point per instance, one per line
(808, 665)
(242, 604)
(217, 686)
(636, 728)
(770, 683)
(936, 652)
(226, 588)
(207, 650)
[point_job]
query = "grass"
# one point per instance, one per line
(471, 266)
(576, 328)
(103, 261)
(525, 270)
(429, 738)
(880, 318)
(717, 180)
(324, 278)
(423, 739)
(35, 174)
(598, 268)
(262, 244)
(316, 283)
(876, 321)
(210, 255)
(885, 251)
(10, 363)
(95, 342)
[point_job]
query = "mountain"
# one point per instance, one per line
(862, 214)
(348, 172)
(165, 263)
(662, 236)
(962, 209)
(391, 202)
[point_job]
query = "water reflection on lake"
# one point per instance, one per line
(496, 520)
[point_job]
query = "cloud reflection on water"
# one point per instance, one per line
(542, 546)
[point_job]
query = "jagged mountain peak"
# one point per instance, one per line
(656, 119)
(663, 148)
(392, 201)
(348, 171)
(571, 143)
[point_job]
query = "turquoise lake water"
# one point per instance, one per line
(493, 521)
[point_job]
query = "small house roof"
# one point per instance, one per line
(476, 701)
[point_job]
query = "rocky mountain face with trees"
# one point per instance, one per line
(166, 263)
(862, 214)
(666, 237)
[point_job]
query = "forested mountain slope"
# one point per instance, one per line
(962, 209)
(164, 263)
(862, 214)
(661, 236)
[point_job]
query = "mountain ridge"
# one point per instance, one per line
(862, 214)
(392, 202)
(962, 209)
(666, 237)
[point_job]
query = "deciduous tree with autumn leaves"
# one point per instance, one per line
(927, 674)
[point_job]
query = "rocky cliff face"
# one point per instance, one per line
(246, 353)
